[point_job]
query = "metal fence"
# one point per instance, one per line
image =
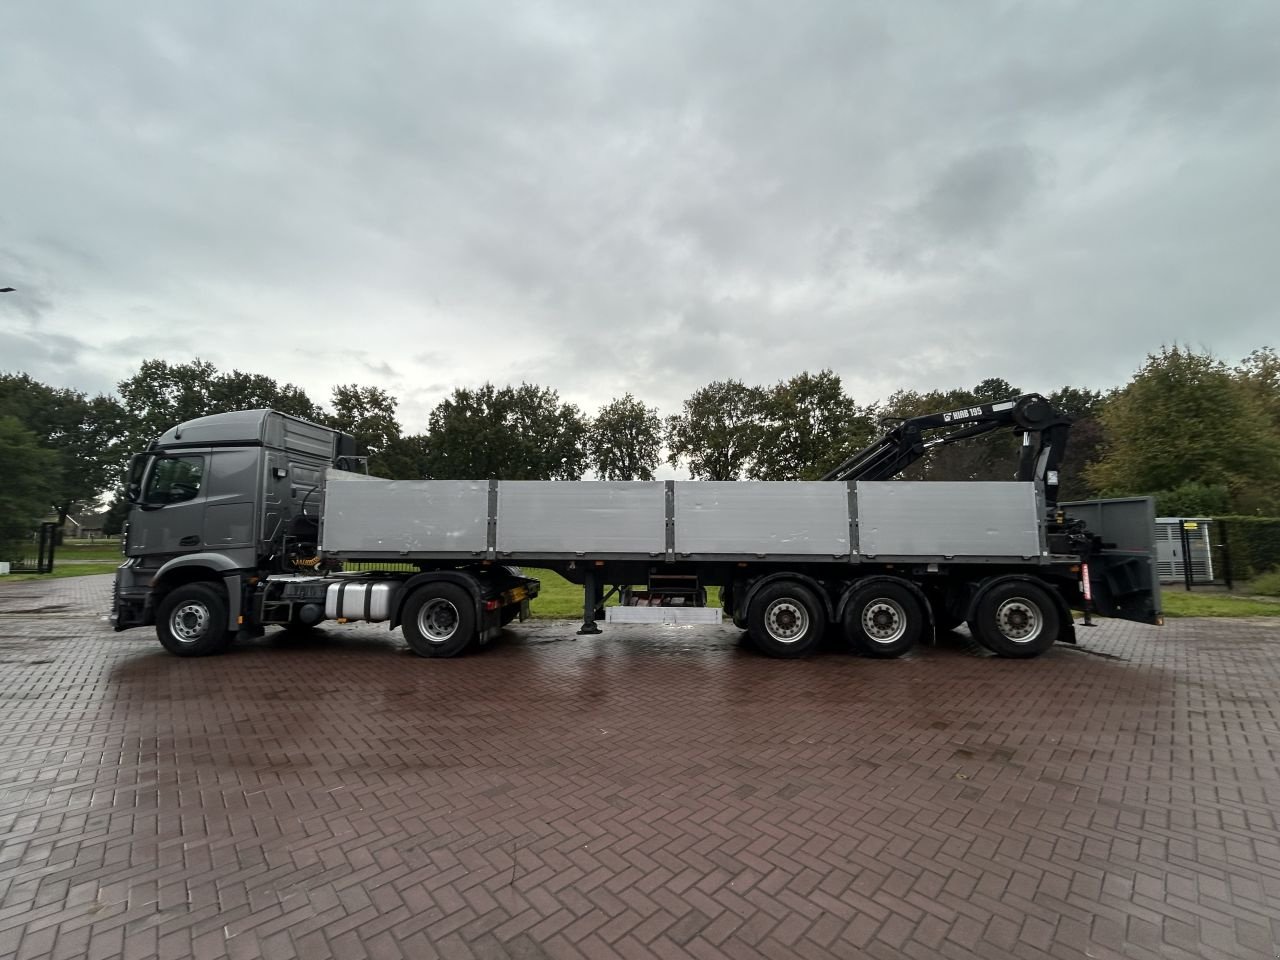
(1216, 551)
(35, 555)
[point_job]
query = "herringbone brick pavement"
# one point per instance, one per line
(646, 793)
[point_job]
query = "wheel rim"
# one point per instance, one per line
(884, 620)
(189, 621)
(786, 620)
(438, 620)
(1019, 620)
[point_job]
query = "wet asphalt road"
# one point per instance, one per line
(651, 792)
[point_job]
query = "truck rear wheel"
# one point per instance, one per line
(1016, 619)
(439, 620)
(786, 619)
(883, 619)
(192, 620)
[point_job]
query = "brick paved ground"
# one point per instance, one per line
(645, 793)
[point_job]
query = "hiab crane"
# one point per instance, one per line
(243, 521)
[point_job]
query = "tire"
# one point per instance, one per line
(439, 620)
(786, 619)
(883, 619)
(1016, 619)
(192, 620)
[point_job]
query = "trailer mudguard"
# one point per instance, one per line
(756, 585)
(884, 578)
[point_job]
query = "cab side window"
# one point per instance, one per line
(175, 479)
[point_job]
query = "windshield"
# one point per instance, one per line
(174, 479)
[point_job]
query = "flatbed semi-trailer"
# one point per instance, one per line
(247, 520)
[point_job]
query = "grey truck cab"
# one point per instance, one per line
(216, 501)
(223, 534)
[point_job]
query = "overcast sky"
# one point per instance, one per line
(603, 197)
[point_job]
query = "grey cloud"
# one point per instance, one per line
(980, 192)
(638, 197)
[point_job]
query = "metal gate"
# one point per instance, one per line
(36, 554)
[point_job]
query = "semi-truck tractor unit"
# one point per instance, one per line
(243, 521)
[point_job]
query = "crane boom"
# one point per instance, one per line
(1044, 433)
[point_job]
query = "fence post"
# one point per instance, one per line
(1188, 575)
(1226, 554)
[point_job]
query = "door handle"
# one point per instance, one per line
(191, 541)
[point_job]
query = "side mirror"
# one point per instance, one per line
(132, 487)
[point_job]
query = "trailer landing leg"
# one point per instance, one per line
(590, 603)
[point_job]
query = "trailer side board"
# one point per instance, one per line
(806, 521)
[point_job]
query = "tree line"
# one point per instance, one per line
(1201, 436)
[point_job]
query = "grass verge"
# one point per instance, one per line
(561, 600)
(59, 571)
(102, 550)
(1182, 604)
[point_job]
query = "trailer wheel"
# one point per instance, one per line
(883, 619)
(1016, 619)
(439, 620)
(785, 619)
(192, 621)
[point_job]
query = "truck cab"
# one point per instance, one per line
(217, 501)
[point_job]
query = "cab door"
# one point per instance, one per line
(170, 514)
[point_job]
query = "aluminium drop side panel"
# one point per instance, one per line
(440, 518)
(971, 519)
(780, 519)
(586, 517)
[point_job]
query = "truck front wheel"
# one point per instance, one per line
(1016, 619)
(786, 619)
(192, 620)
(439, 620)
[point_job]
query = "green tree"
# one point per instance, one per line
(1084, 447)
(83, 432)
(404, 458)
(1186, 418)
(161, 395)
(718, 430)
(369, 415)
(809, 424)
(1077, 401)
(32, 480)
(625, 440)
(1194, 499)
(1259, 373)
(507, 433)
